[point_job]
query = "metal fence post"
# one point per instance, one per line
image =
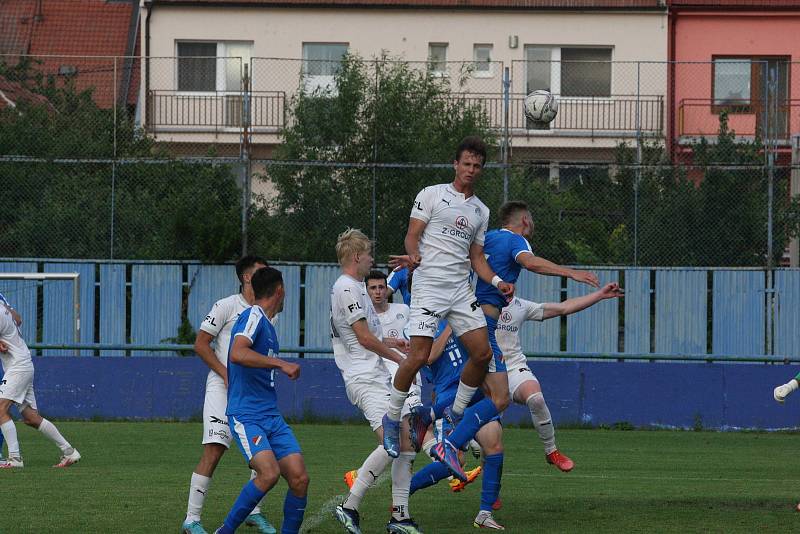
(244, 152)
(506, 142)
(375, 161)
(638, 174)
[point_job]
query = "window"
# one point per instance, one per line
(437, 58)
(321, 62)
(212, 66)
(197, 66)
(732, 79)
(585, 72)
(482, 56)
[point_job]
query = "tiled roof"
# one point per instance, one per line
(12, 93)
(737, 4)
(439, 4)
(53, 30)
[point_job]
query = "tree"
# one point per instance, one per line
(379, 111)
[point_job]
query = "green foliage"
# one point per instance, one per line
(54, 208)
(380, 111)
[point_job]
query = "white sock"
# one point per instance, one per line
(368, 473)
(540, 415)
(257, 509)
(402, 471)
(396, 400)
(10, 435)
(428, 445)
(463, 396)
(793, 385)
(49, 429)
(197, 496)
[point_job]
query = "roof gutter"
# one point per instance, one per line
(133, 34)
(149, 5)
(659, 7)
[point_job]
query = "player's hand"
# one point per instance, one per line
(406, 260)
(292, 370)
(3, 347)
(403, 345)
(507, 290)
(612, 290)
(585, 277)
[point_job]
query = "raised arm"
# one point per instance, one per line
(573, 305)
(439, 344)
(539, 265)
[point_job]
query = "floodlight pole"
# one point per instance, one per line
(506, 138)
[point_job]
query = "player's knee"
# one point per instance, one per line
(417, 359)
(482, 357)
(299, 483)
(501, 399)
(535, 402)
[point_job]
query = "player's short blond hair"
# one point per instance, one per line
(351, 242)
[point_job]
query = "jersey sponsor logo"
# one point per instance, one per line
(446, 202)
(418, 205)
(426, 311)
(507, 327)
(505, 317)
(210, 320)
(257, 440)
(462, 222)
(455, 232)
(218, 433)
(217, 420)
(474, 305)
(393, 333)
(426, 326)
(354, 306)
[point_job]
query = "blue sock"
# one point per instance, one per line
(429, 475)
(474, 418)
(293, 509)
(492, 472)
(243, 506)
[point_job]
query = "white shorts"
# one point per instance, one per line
(458, 305)
(215, 422)
(518, 376)
(372, 398)
(17, 386)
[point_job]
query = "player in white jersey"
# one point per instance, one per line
(522, 383)
(216, 329)
(444, 240)
(360, 352)
(16, 388)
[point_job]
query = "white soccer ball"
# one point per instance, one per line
(541, 106)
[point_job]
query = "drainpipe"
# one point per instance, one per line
(149, 6)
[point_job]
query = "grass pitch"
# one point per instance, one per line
(134, 478)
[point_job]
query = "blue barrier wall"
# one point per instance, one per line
(714, 395)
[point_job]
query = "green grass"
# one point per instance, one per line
(134, 478)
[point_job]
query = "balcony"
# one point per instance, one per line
(214, 111)
(748, 118)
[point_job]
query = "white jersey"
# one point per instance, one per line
(453, 224)
(511, 318)
(394, 322)
(350, 303)
(219, 323)
(18, 356)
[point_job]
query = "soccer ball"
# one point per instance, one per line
(541, 106)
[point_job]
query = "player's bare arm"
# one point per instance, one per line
(242, 354)
(482, 269)
(573, 305)
(403, 345)
(439, 344)
(539, 265)
(202, 346)
(368, 340)
(411, 259)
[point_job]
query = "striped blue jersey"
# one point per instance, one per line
(251, 390)
(502, 248)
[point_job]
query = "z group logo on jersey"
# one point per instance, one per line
(505, 317)
(393, 333)
(462, 222)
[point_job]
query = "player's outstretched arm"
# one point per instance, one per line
(202, 346)
(242, 354)
(539, 265)
(411, 259)
(573, 305)
(368, 340)
(439, 344)
(485, 272)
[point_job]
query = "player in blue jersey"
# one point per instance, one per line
(264, 438)
(400, 280)
(444, 370)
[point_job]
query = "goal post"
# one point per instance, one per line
(7, 283)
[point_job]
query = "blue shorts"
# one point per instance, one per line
(269, 433)
(498, 363)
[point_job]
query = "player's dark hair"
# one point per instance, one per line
(245, 263)
(265, 281)
(375, 275)
(511, 209)
(474, 144)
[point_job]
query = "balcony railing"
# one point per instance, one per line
(617, 114)
(699, 117)
(217, 110)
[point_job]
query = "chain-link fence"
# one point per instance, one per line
(200, 157)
